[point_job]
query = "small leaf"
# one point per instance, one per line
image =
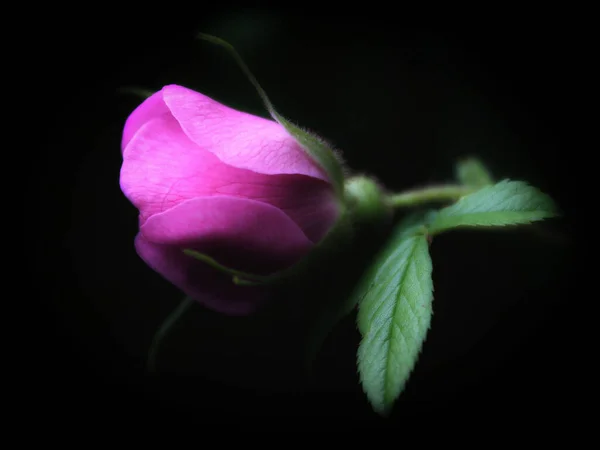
(472, 172)
(395, 310)
(316, 147)
(505, 203)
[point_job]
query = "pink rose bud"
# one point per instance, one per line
(225, 183)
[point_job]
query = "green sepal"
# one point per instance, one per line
(238, 277)
(138, 92)
(338, 235)
(314, 146)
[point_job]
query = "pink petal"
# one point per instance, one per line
(162, 168)
(242, 234)
(314, 208)
(199, 281)
(237, 138)
(153, 107)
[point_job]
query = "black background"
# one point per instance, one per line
(403, 101)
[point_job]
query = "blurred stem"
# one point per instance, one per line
(164, 329)
(441, 193)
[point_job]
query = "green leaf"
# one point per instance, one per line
(505, 203)
(472, 172)
(394, 314)
(313, 145)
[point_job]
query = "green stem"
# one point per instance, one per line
(442, 193)
(164, 329)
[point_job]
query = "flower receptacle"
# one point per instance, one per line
(365, 200)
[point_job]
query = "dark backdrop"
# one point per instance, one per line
(402, 102)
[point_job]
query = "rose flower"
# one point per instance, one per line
(225, 183)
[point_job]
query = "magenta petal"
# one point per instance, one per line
(162, 168)
(241, 229)
(314, 208)
(198, 281)
(151, 108)
(238, 139)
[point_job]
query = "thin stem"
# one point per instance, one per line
(442, 193)
(164, 329)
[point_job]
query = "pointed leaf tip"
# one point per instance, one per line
(395, 311)
(501, 204)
